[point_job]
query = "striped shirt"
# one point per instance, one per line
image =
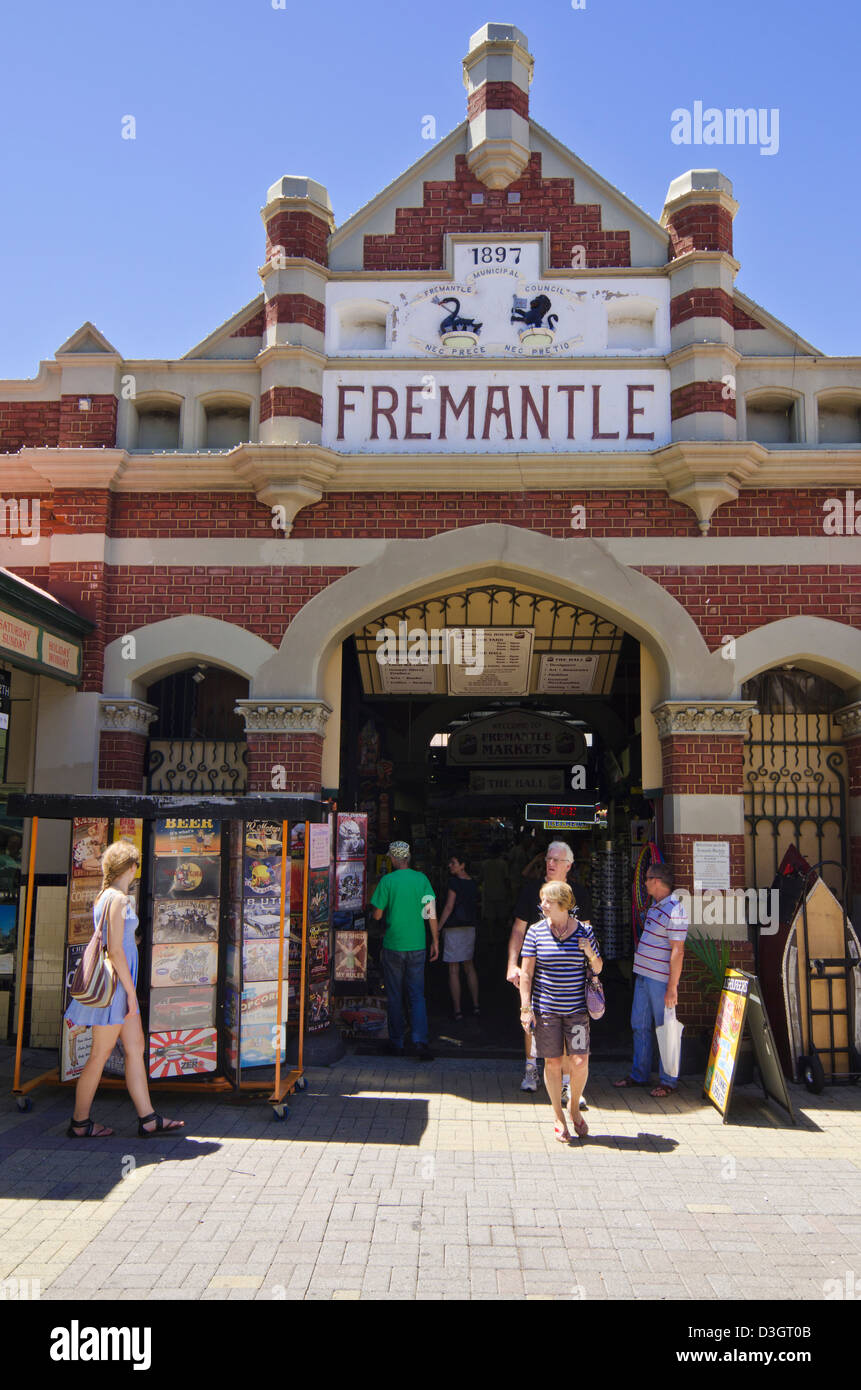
(665, 922)
(559, 983)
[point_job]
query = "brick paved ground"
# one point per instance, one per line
(395, 1180)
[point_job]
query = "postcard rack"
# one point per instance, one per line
(218, 933)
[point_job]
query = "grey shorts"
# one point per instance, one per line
(558, 1033)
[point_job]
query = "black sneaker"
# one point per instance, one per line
(423, 1052)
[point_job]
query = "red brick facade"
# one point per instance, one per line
(697, 1006)
(700, 227)
(545, 205)
(695, 764)
(95, 426)
(291, 400)
(252, 328)
(705, 303)
(299, 755)
(701, 395)
(28, 425)
(679, 854)
(298, 234)
(122, 758)
(296, 308)
(498, 96)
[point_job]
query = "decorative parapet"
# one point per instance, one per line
(126, 717)
(703, 717)
(284, 716)
(849, 719)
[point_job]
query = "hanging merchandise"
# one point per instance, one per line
(648, 855)
(610, 887)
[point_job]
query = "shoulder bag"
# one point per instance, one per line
(94, 981)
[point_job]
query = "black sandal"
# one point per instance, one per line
(161, 1128)
(89, 1128)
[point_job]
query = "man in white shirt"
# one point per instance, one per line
(657, 967)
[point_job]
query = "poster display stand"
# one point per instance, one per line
(224, 961)
(741, 1013)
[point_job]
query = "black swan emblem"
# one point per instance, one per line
(454, 322)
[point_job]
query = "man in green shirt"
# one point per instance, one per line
(408, 900)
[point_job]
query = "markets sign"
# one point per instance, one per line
(39, 649)
(516, 739)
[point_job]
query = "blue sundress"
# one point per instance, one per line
(115, 1012)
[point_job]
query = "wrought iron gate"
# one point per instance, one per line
(795, 776)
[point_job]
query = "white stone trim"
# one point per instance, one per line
(849, 719)
(284, 716)
(174, 643)
(126, 716)
(703, 717)
(687, 814)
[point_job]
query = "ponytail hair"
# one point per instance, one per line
(116, 859)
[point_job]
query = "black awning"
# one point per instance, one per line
(60, 807)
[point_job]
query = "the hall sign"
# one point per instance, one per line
(39, 649)
(516, 739)
(516, 783)
(554, 410)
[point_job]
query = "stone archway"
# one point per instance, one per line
(579, 569)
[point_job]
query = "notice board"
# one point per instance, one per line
(740, 1008)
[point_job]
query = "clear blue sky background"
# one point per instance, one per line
(157, 240)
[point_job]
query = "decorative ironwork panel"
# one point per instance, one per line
(197, 765)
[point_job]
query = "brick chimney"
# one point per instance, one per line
(497, 72)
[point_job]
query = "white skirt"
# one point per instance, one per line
(458, 944)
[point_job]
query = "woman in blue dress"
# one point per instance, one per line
(121, 1018)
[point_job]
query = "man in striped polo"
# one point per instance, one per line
(657, 967)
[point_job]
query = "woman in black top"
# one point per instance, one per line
(459, 918)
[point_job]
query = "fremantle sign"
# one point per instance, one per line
(551, 411)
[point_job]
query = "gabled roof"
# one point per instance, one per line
(225, 330)
(87, 339)
(794, 342)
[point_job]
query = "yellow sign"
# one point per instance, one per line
(17, 636)
(729, 1024)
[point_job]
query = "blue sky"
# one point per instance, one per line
(157, 240)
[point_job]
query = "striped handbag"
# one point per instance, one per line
(94, 980)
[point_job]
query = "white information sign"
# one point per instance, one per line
(506, 654)
(408, 680)
(711, 864)
(319, 846)
(568, 674)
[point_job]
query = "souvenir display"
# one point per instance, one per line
(263, 838)
(82, 896)
(89, 842)
(260, 1003)
(297, 839)
(75, 1045)
(186, 1052)
(189, 1007)
(184, 965)
(349, 886)
(318, 952)
(351, 957)
(258, 1044)
(178, 835)
(318, 896)
(362, 1016)
(185, 877)
(319, 1006)
(128, 828)
(352, 835)
(260, 960)
(263, 880)
(184, 922)
(320, 846)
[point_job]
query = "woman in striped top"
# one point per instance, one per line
(553, 998)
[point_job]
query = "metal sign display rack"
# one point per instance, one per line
(284, 810)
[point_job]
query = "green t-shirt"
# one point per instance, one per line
(402, 894)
